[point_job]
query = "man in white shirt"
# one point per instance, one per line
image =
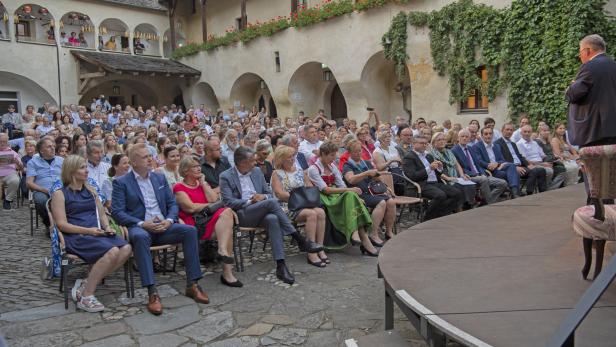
(534, 154)
(242, 113)
(310, 146)
(97, 168)
(517, 135)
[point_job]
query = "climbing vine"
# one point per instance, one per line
(394, 43)
(305, 16)
(530, 47)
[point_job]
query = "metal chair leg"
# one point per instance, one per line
(132, 277)
(164, 262)
(65, 285)
(31, 223)
(252, 240)
(126, 280)
(175, 258)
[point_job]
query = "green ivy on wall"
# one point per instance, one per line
(530, 47)
(394, 43)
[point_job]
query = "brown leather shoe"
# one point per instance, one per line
(197, 294)
(154, 305)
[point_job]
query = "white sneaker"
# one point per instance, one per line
(76, 291)
(90, 304)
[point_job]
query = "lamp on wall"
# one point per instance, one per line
(116, 90)
(327, 75)
(263, 86)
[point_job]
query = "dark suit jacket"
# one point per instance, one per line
(481, 153)
(127, 206)
(231, 189)
(592, 109)
(414, 168)
(507, 154)
(461, 157)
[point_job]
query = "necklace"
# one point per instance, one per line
(190, 185)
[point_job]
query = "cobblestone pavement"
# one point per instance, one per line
(325, 306)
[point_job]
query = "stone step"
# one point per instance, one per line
(389, 338)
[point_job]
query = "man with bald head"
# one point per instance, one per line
(592, 111)
(214, 163)
(535, 175)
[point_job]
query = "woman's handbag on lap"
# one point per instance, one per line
(304, 197)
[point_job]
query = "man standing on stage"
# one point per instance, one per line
(592, 110)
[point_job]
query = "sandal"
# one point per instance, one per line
(316, 263)
(325, 260)
(78, 289)
(90, 304)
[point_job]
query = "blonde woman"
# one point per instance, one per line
(111, 147)
(287, 177)
(193, 194)
(80, 216)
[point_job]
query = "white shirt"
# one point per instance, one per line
(307, 148)
(248, 188)
(98, 173)
(490, 150)
(152, 210)
(390, 154)
(424, 160)
(496, 135)
(531, 150)
(517, 135)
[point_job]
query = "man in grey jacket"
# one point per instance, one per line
(244, 189)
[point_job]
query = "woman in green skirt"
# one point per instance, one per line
(344, 207)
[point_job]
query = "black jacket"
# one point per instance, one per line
(415, 170)
(592, 105)
(507, 154)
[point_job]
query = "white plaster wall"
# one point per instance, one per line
(29, 92)
(345, 44)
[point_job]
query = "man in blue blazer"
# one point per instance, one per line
(243, 188)
(489, 157)
(142, 201)
(301, 162)
(491, 187)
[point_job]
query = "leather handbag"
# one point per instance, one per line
(377, 188)
(203, 217)
(304, 197)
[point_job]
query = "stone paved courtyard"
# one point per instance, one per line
(325, 306)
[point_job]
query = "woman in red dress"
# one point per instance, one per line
(193, 194)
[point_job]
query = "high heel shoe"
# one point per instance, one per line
(325, 260)
(315, 263)
(226, 259)
(387, 237)
(236, 284)
(364, 251)
(374, 243)
(355, 242)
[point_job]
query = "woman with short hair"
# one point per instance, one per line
(80, 216)
(193, 194)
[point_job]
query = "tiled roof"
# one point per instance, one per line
(149, 4)
(134, 63)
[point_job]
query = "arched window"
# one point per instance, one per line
(146, 40)
(4, 23)
(113, 36)
(34, 23)
(77, 30)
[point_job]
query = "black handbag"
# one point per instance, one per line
(202, 217)
(304, 197)
(377, 188)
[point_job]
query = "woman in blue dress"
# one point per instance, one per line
(79, 215)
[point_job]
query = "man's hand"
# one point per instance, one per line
(258, 197)
(435, 165)
(493, 166)
(521, 170)
(155, 226)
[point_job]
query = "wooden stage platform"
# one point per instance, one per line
(501, 275)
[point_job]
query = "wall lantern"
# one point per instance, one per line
(327, 75)
(116, 90)
(263, 86)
